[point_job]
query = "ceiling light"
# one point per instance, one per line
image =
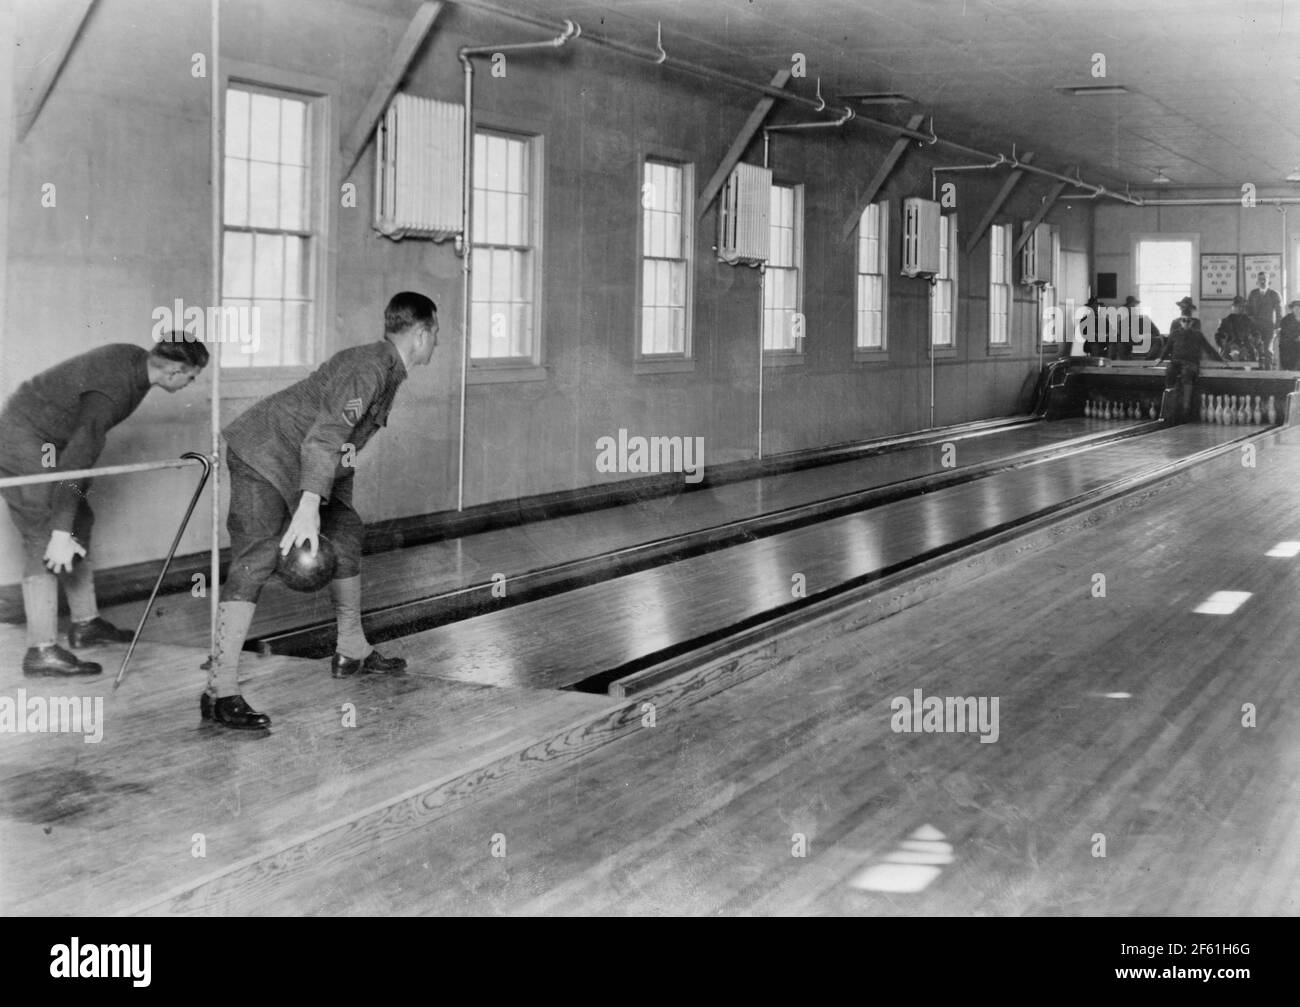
(1161, 178)
(1089, 90)
(1294, 176)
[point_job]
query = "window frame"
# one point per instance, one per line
(794, 355)
(480, 370)
(659, 363)
(1194, 282)
(1001, 234)
(881, 352)
(948, 349)
(321, 95)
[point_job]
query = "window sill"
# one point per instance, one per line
(654, 365)
(782, 358)
(999, 349)
(943, 352)
(479, 374)
(872, 356)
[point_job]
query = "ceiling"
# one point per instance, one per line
(1214, 85)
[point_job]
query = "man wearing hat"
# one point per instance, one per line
(1186, 345)
(1141, 328)
(1265, 309)
(1288, 339)
(1238, 337)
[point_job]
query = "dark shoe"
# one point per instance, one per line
(232, 711)
(374, 664)
(53, 661)
(97, 630)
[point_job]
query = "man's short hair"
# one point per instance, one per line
(406, 309)
(178, 351)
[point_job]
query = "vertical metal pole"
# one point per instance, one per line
(466, 209)
(214, 70)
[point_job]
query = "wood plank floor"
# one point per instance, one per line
(440, 567)
(1120, 717)
(97, 828)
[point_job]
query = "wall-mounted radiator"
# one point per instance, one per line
(743, 215)
(1036, 260)
(920, 237)
(419, 147)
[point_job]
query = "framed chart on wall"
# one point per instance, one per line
(1263, 262)
(1218, 276)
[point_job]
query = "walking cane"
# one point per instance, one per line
(203, 481)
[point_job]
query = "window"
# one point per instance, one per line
(1164, 272)
(271, 234)
(1053, 328)
(504, 264)
(782, 293)
(665, 258)
(873, 267)
(943, 294)
(999, 285)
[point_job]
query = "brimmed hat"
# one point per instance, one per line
(1131, 301)
(1294, 303)
(1238, 300)
(1187, 302)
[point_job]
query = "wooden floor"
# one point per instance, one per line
(1120, 718)
(398, 813)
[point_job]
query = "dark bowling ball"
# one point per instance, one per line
(302, 571)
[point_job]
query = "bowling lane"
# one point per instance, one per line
(1124, 722)
(566, 638)
(443, 568)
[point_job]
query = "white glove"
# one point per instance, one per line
(62, 550)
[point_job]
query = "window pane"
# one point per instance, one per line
(264, 141)
(236, 195)
(236, 123)
(268, 266)
(237, 265)
(264, 195)
(293, 137)
(293, 209)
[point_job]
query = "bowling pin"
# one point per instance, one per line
(1244, 417)
(1153, 412)
(1258, 414)
(1272, 411)
(1218, 409)
(1205, 408)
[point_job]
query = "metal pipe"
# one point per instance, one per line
(214, 418)
(571, 30)
(775, 92)
(107, 470)
(1223, 201)
(934, 181)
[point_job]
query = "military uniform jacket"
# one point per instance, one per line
(1238, 330)
(71, 407)
(1186, 341)
(1265, 307)
(303, 439)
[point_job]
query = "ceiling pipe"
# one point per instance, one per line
(934, 181)
(653, 56)
(1223, 201)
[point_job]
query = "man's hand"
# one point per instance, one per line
(304, 526)
(62, 550)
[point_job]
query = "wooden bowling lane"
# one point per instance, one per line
(111, 826)
(565, 639)
(446, 567)
(1120, 718)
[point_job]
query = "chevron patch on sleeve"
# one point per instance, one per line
(352, 412)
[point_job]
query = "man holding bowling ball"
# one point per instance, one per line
(291, 459)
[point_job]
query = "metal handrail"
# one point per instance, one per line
(108, 470)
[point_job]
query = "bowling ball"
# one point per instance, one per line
(302, 571)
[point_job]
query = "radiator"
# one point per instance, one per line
(1036, 259)
(419, 150)
(921, 242)
(743, 215)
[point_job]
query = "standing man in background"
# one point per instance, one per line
(1265, 309)
(1186, 345)
(1288, 339)
(58, 421)
(291, 459)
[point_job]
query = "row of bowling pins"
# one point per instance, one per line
(1237, 409)
(1104, 409)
